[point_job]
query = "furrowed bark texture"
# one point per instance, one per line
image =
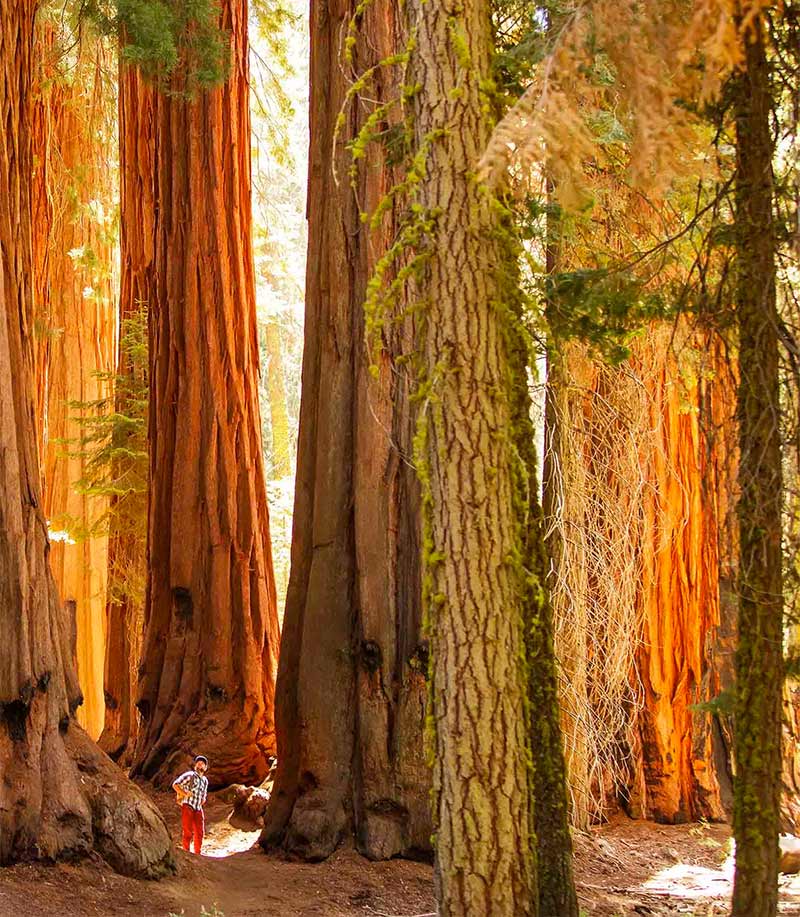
(682, 660)
(350, 705)
(80, 343)
(60, 796)
(210, 651)
(127, 544)
(759, 660)
(482, 818)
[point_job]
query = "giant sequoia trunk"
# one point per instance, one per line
(79, 339)
(482, 814)
(685, 657)
(759, 656)
(127, 567)
(60, 796)
(209, 659)
(351, 692)
(688, 564)
(645, 456)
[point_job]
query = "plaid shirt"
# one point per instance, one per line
(198, 789)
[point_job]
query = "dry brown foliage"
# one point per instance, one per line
(648, 63)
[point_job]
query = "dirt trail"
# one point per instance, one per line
(627, 869)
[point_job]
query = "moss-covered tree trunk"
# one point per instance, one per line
(759, 660)
(60, 796)
(127, 544)
(556, 885)
(210, 652)
(482, 814)
(350, 704)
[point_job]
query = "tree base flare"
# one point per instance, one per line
(63, 799)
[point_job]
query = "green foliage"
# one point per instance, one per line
(113, 444)
(162, 37)
(722, 704)
(602, 307)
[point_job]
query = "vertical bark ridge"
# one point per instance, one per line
(210, 651)
(351, 685)
(127, 543)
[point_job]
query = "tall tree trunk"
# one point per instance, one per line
(278, 415)
(60, 796)
(350, 705)
(681, 568)
(210, 651)
(551, 814)
(482, 814)
(127, 565)
(759, 659)
(640, 490)
(81, 345)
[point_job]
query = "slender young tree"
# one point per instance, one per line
(555, 881)
(759, 657)
(60, 796)
(350, 704)
(211, 641)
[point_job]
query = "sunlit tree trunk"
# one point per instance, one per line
(682, 537)
(60, 796)
(211, 641)
(644, 459)
(351, 686)
(482, 813)
(278, 415)
(81, 337)
(127, 535)
(759, 660)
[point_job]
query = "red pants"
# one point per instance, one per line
(193, 824)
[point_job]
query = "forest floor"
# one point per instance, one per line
(625, 869)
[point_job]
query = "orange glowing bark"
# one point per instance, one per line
(75, 332)
(127, 562)
(646, 626)
(211, 640)
(684, 655)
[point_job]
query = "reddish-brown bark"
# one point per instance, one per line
(209, 658)
(657, 439)
(78, 338)
(127, 544)
(350, 704)
(59, 796)
(684, 655)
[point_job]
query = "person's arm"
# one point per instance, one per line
(205, 792)
(180, 783)
(181, 786)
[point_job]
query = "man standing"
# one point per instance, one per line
(192, 790)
